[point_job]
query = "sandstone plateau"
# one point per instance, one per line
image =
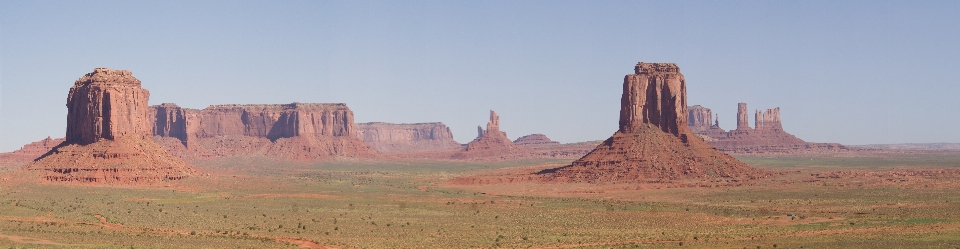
(108, 136)
(296, 131)
(766, 137)
(534, 139)
(491, 143)
(654, 142)
(29, 152)
(387, 137)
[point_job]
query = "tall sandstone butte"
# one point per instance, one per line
(387, 137)
(699, 118)
(653, 143)
(296, 131)
(491, 143)
(108, 135)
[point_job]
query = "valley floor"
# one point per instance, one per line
(865, 201)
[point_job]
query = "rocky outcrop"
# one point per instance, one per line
(742, 118)
(296, 131)
(766, 137)
(654, 142)
(699, 118)
(29, 152)
(108, 136)
(491, 143)
(534, 139)
(387, 137)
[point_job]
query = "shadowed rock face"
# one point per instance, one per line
(106, 104)
(654, 142)
(699, 118)
(108, 129)
(296, 131)
(387, 137)
(654, 94)
(490, 143)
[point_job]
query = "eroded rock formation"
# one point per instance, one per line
(387, 137)
(108, 136)
(534, 139)
(29, 152)
(654, 142)
(767, 136)
(490, 143)
(699, 118)
(296, 131)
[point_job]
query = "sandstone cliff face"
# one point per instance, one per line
(699, 118)
(106, 104)
(108, 133)
(387, 137)
(654, 142)
(491, 143)
(534, 139)
(742, 119)
(296, 131)
(652, 95)
(169, 120)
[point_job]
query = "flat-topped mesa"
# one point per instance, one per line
(297, 131)
(106, 104)
(742, 118)
(534, 139)
(699, 118)
(275, 121)
(108, 129)
(388, 137)
(654, 95)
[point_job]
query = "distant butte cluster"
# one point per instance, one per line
(766, 136)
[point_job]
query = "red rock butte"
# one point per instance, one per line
(490, 143)
(653, 143)
(108, 135)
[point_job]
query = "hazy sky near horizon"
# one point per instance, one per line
(853, 72)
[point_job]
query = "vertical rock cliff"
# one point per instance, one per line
(743, 121)
(296, 131)
(654, 142)
(700, 118)
(108, 135)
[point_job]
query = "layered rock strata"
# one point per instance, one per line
(491, 143)
(29, 152)
(767, 136)
(108, 136)
(534, 140)
(296, 131)
(654, 142)
(387, 137)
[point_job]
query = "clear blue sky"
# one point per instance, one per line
(853, 72)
